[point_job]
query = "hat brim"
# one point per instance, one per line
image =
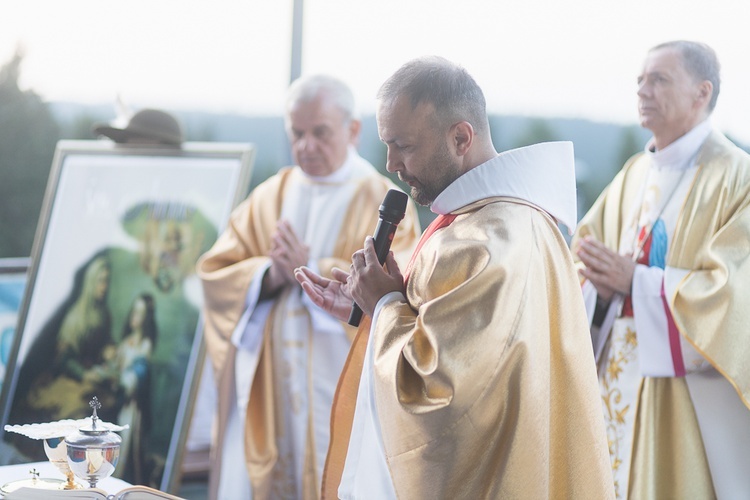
(116, 134)
(123, 135)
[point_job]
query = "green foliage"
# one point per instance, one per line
(28, 135)
(81, 128)
(537, 131)
(206, 133)
(629, 141)
(629, 145)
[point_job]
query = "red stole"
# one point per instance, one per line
(439, 222)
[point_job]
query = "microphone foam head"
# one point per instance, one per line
(393, 207)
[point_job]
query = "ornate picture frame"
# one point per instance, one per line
(112, 304)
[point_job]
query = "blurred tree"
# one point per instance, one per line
(629, 145)
(28, 135)
(497, 132)
(590, 187)
(206, 133)
(538, 130)
(80, 128)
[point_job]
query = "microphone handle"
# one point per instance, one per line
(384, 233)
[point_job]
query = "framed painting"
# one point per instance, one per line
(112, 303)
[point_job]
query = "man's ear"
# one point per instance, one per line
(354, 128)
(462, 137)
(705, 90)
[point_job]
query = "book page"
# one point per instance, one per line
(130, 493)
(27, 493)
(144, 493)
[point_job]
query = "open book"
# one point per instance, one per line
(129, 493)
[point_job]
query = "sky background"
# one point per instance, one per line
(549, 58)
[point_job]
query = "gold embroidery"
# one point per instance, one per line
(623, 352)
(614, 370)
(630, 338)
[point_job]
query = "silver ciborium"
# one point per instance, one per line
(93, 450)
(57, 453)
(52, 435)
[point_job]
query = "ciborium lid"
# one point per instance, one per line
(95, 435)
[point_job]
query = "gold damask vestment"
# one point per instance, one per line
(711, 242)
(485, 381)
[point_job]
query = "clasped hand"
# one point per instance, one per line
(366, 282)
(287, 253)
(608, 271)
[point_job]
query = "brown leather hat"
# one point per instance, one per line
(147, 125)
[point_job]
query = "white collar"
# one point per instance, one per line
(542, 174)
(681, 153)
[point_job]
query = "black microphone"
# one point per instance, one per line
(392, 210)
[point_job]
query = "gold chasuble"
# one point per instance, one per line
(485, 391)
(227, 271)
(711, 243)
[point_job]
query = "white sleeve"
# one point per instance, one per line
(386, 299)
(693, 360)
(248, 333)
(247, 337)
(366, 473)
(662, 350)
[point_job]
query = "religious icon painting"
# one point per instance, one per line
(111, 306)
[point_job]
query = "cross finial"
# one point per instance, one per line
(34, 474)
(95, 405)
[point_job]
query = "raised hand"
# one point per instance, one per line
(332, 296)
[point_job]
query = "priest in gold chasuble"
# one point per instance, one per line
(664, 257)
(276, 356)
(475, 376)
